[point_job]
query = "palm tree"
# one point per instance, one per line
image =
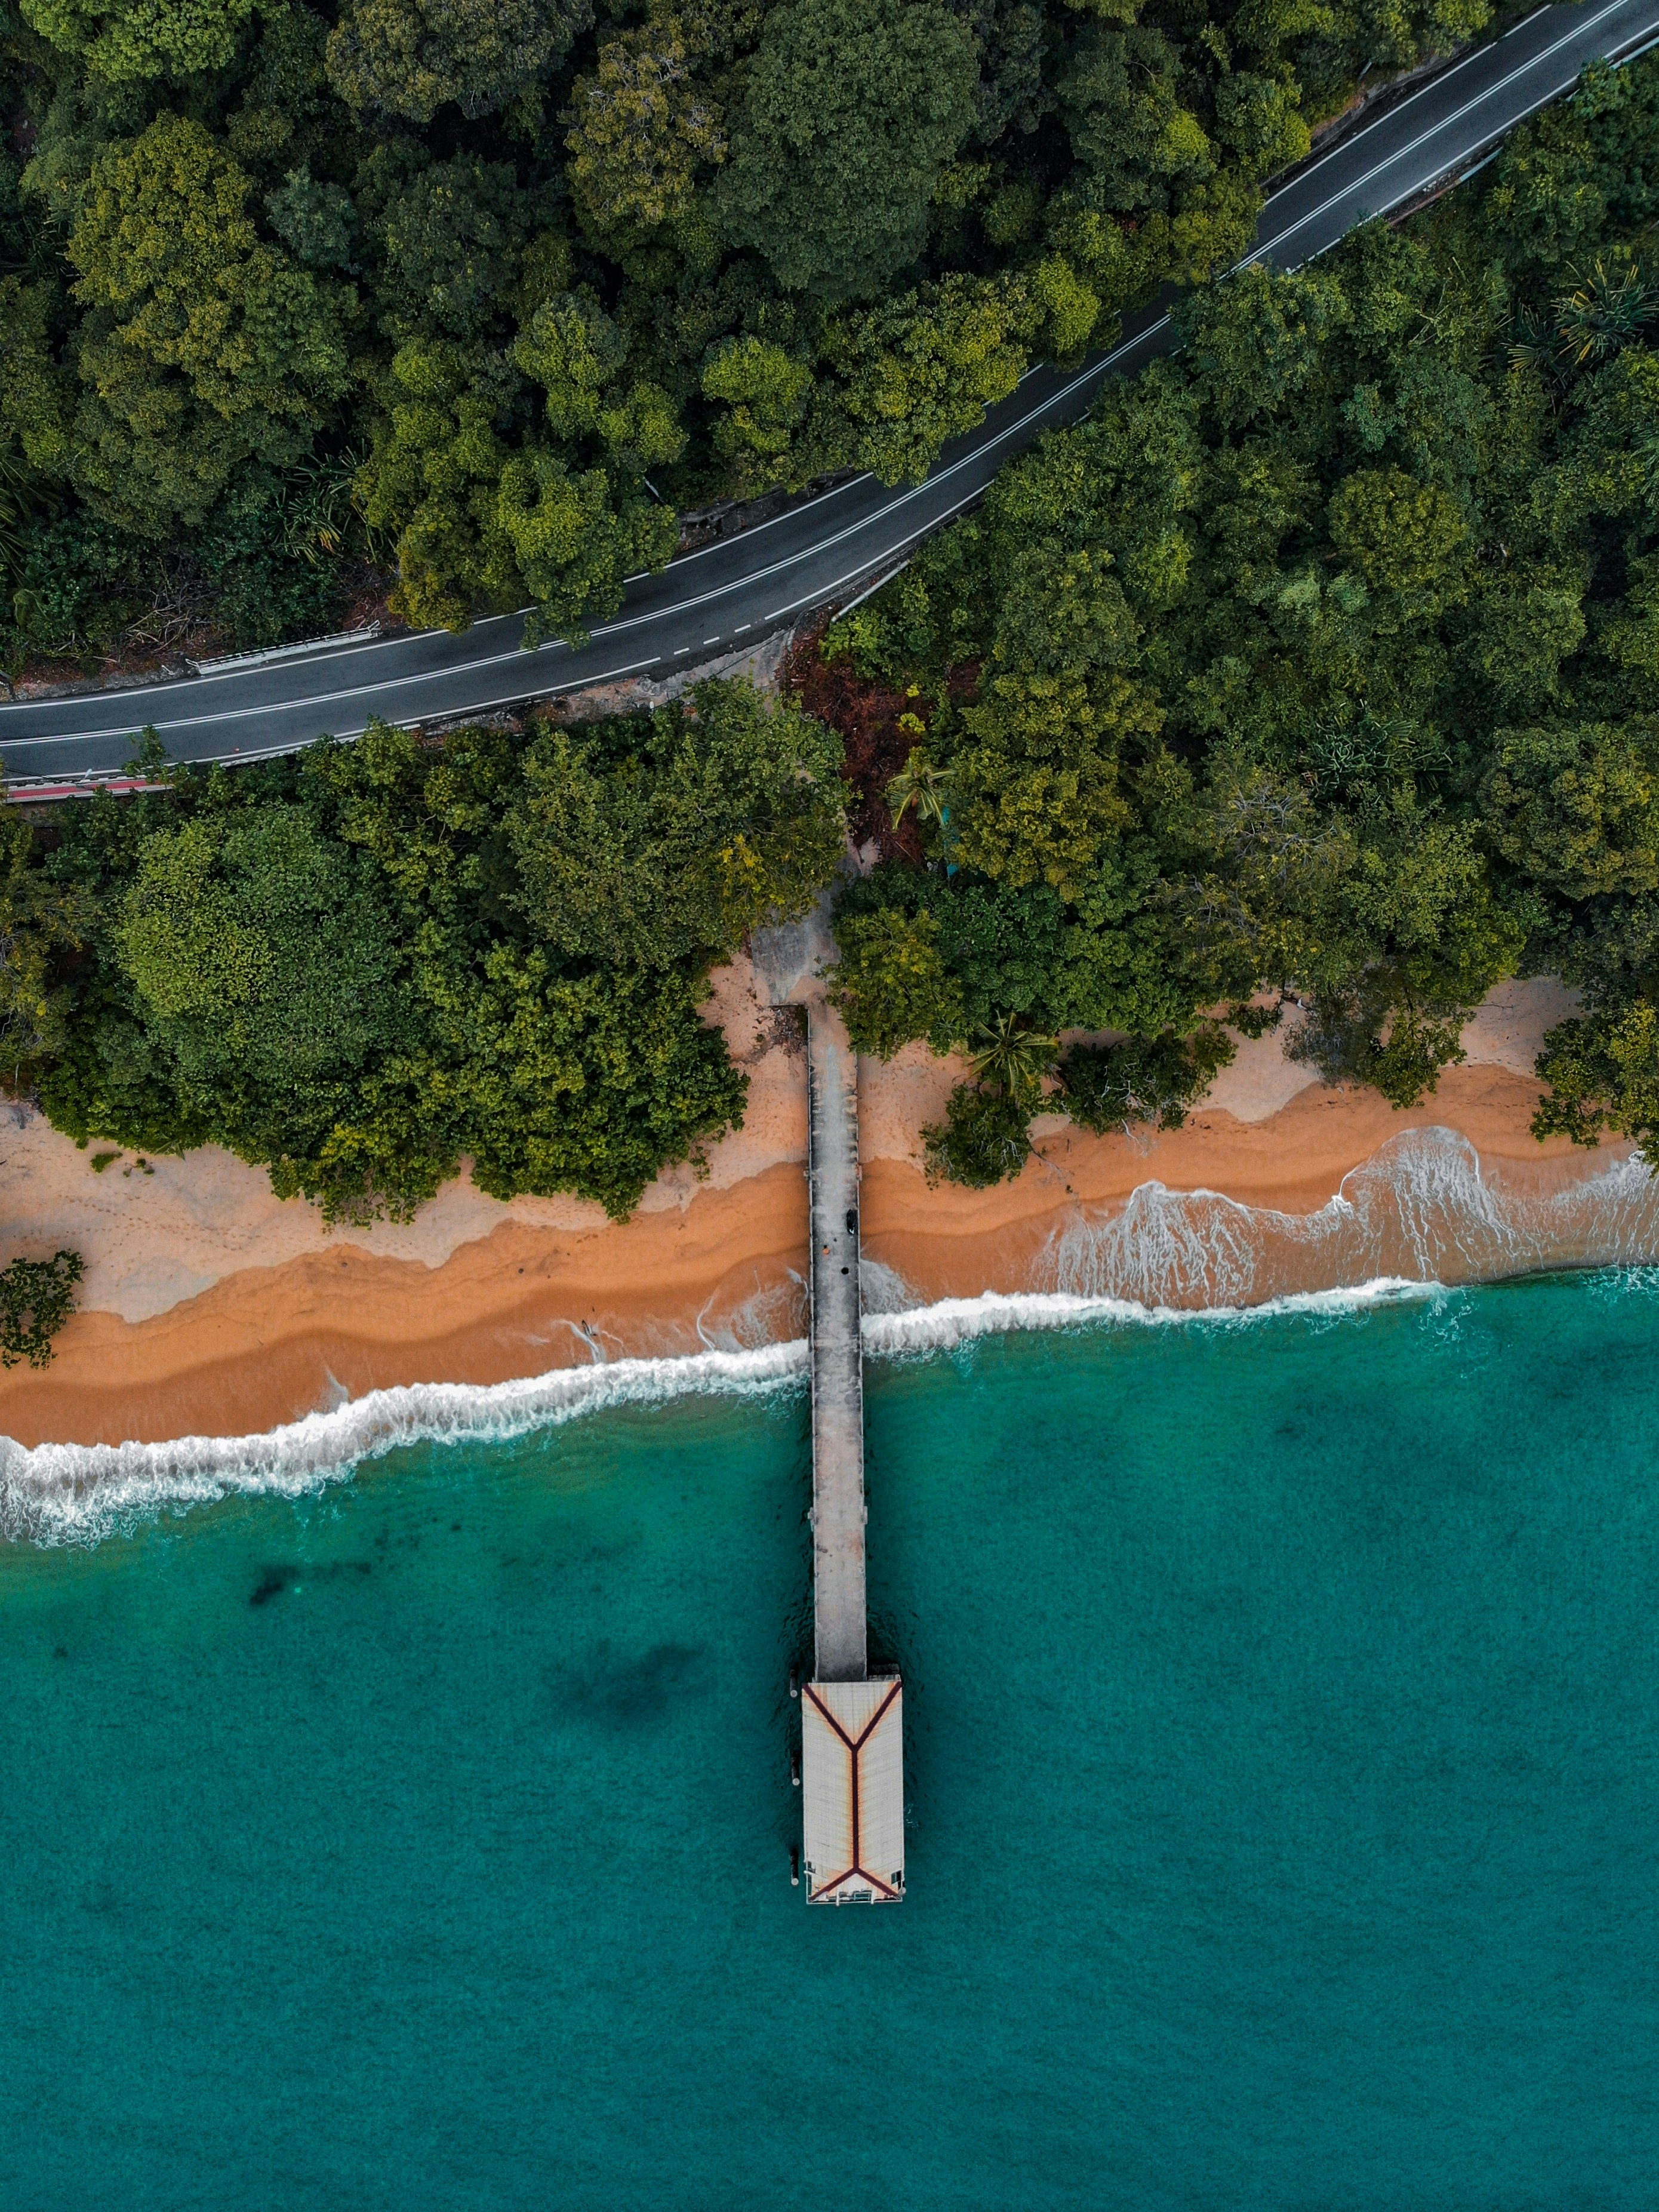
(1536, 344)
(1014, 1058)
(1603, 311)
(919, 785)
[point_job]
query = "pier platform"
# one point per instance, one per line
(853, 1791)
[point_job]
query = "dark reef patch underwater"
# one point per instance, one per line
(1284, 1760)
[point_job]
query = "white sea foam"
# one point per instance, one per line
(1418, 1217)
(1420, 1209)
(80, 1494)
(69, 1493)
(952, 1321)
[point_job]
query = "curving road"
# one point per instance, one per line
(737, 590)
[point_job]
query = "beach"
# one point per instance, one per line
(211, 1309)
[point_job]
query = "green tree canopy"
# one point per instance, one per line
(579, 355)
(576, 535)
(206, 347)
(923, 369)
(891, 983)
(1576, 805)
(40, 923)
(262, 954)
(640, 127)
(453, 241)
(763, 392)
(411, 57)
(124, 40)
(673, 851)
(358, 966)
(852, 108)
(432, 480)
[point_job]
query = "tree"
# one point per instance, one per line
(40, 922)
(356, 966)
(575, 537)
(640, 127)
(411, 57)
(36, 396)
(1602, 1070)
(1257, 120)
(984, 1138)
(1068, 310)
(851, 109)
(1609, 464)
(1403, 536)
(1143, 153)
(433, 479)
(591, 1083)
(671, 851)
(77, 582)
(763, 391)
(1256, 340)
(1014, 1058)
(890, 983)
(205, 347)
(316, 222)
(1142, 1078)
(579, 355)
(452, 249)
(920, 785)
(1037, 775)
(124, 40)
(263, 957)
(923, 369)
(1606, 308)
(565, 898)
(1416, 939)
(1576, 805)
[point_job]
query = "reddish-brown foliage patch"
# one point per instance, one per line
(866, 714)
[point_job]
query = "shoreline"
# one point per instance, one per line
(1229, 1210)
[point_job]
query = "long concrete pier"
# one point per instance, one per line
(852, 1769)
(837, 1357)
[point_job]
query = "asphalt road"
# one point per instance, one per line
(827, 549)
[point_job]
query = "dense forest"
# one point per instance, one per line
(474, 298)
(1322, 661)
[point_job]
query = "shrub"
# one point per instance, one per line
(984, 1138)
(1143, 1079)
(37, 1296)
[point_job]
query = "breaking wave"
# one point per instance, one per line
(1416, 1220)
(80, 1494)
(71, 1493)
(1419, 1210)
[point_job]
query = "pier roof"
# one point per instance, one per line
(853, 1791)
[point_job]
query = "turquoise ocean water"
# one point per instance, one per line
(1283, 1758)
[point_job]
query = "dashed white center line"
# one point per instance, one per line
(680, 649)
(711, 641)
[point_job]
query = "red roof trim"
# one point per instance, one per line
(854, 1746)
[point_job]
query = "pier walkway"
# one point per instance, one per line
(851, 1727)
(837, 1355)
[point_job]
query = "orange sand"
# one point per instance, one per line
(948, 1243)
(265, 1344)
